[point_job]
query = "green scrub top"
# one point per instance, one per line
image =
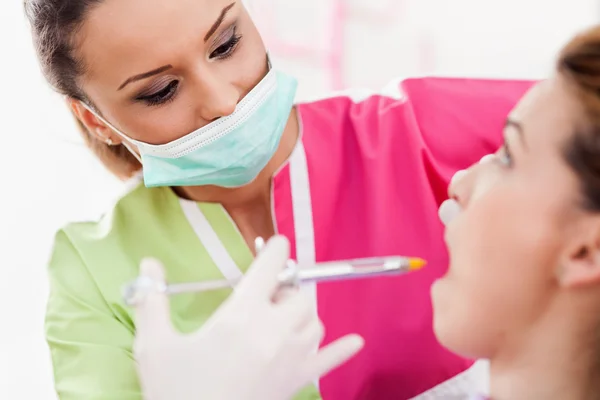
(88, 328)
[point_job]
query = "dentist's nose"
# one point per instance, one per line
(222, 100)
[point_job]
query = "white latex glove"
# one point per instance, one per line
(253, 347)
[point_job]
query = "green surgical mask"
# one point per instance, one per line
(230, 151)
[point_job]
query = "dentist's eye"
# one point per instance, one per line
(226, 49)
(162, 96)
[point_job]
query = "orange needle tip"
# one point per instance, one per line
(416, 264)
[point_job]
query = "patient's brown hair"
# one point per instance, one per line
(579, 65)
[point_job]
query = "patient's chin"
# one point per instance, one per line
(442, 309)
(441, 292)
(451, 323)
(457, 340)
(446, 333)
(462, 337)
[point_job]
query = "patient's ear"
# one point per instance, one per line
(580, 265)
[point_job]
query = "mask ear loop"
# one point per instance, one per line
(127, 141)
(269, 63)
(133, 153)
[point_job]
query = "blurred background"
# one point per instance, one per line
(48, 177)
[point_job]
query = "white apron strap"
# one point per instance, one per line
(303, 216)
(209, 239)
(474, 380)
(302, 207)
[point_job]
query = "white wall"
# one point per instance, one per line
(47, 177)
(385, 38)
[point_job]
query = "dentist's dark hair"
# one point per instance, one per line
(579, 65)
(55, 25)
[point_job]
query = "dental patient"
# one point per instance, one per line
(523, 287)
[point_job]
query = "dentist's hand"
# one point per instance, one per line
(258, 345)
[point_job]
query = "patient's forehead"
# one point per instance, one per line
(530, 99)
(548, 112)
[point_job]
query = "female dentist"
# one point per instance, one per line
(182, 92)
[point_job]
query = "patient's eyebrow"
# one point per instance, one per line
(516, 125)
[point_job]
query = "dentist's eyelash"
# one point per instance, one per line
(168, 92)
(162, 96)
(227, 49)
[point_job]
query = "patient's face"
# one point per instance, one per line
(519, 211)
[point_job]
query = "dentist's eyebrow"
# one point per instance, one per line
(164, 68)
(145, 75)
(516, 125)
(218, 22)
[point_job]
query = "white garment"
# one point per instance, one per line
(475, 380)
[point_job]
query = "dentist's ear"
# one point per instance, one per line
(93, 124)
(580, 265)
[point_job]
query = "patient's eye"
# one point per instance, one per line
(505, 157)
